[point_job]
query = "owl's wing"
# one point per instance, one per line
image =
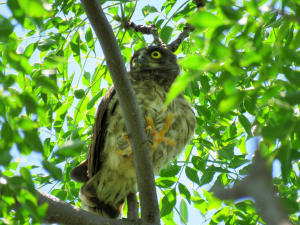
(89, 167)
(99, 131)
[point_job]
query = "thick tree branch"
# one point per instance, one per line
(258, 185)
(64, 213)
(130, 110)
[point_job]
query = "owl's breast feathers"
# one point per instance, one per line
(115, 179)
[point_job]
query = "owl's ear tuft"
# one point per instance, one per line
(80, 172)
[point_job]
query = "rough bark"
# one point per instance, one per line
(130, 110)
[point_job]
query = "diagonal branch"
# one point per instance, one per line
(151, 29)
(185, 33)
(258, 185)
(130, 110)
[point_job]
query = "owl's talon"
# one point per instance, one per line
(151, 143)
(159, 137)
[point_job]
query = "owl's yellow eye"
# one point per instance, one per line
(133, 62)
(155, 54)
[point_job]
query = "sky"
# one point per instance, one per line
(36, 158)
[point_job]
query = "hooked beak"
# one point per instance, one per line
(142, 61)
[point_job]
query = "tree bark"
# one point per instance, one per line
(130, 110)
(133, 207)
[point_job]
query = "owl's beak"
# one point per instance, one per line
(142, 61)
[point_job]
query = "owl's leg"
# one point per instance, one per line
(126, 151)
(159, 137)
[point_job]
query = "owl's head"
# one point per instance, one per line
(154, 63)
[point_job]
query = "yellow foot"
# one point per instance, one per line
(127, 150)
(157, 137)
(160, 137)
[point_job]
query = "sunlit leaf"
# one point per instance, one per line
(70, 148)
(205, 19)
(36, 8)
(146, 10)
(168, 203)
(184, 212)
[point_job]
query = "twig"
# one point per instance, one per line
(200, 4)
(258, 185)
(151, 29)
(185, 33)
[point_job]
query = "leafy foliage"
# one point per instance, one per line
(240, 71)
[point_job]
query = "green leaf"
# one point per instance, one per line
(290, 55)
(18, 13)
(166, 34)
(93, 101)
(27, 124)
(89, 38)
(203, 111)
(165, 182)
(289, 206)
(206, 177)
(192, 175)
(28, 179)
(204, 20)
(198, 163)
(169, 171)
(86, 79)
(168, 203)
(29, 50)
(230, 102)
(226, 152)
(70, 149)
(176, 88)
(221, 215)
(184, 192)
(183, 212)
(146, 10)
(47, 84)
(216, 169)
(13, 165)
(230, 13)
(33, 140)
(53, 170)
(36, 8)
(246, 124)
(284, 156)
(200, 204)
(75, 46)
(5, 29)
(5, 158)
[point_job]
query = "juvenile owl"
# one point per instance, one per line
(108, 173)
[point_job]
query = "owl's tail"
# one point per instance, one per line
(94, 205)
(88, 195)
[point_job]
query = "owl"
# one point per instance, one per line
(108, 174)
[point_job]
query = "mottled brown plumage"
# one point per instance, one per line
(109, 177)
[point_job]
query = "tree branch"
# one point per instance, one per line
(130, 110)
(151, 29)
(133, 207)
(185, 33)
(258, 185)
(64, 213)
